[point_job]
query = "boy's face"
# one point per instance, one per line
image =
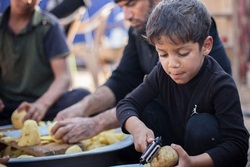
(182, 61)
(136, 12)
(23, 6)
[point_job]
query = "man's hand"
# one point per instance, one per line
(35, 111)
(1, 105)
(73, 130)
(70, 112)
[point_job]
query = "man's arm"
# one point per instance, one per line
(73, 130)
(101, 100)
(60, 84)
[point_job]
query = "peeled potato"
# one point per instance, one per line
(17, 118)
(166, 157)
(73, 149)
(25, 156)
(30, 134)
(8, 139)
(52, 136)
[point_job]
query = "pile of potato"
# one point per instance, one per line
(103, 139)
(30, 136)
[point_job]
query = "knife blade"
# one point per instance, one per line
(17, 133)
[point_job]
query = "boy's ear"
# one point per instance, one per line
(207, 45)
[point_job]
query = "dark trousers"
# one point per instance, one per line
(201, 130)
(67, 99)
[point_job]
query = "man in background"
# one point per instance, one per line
(34, 73)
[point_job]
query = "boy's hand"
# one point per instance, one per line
(141, 134)
(184, 158)
(142, 139)
(188, 161)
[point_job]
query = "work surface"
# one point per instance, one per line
(38, 150)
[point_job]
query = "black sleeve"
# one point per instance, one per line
(66, 7)
(129, 73)
(135, 102)
(218, 51)
(233, 148)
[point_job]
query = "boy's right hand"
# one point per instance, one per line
(1, 105)
(141, 133)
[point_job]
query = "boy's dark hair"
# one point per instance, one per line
(179, 20)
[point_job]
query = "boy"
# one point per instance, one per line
(203, 115)
(34, 74)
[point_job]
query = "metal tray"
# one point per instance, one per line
(100, 157)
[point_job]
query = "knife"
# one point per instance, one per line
(151, 151)
(43, 130)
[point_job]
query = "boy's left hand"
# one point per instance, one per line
(184, 158)
(189, 161)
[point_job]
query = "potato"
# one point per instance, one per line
(30, 134)
(25, 156)
(73, 149)
(17, 118)
(47, 138)
(1, 134)
(166, 157)
(102, 139)
(8, 139)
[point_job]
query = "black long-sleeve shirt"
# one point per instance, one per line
(213, 91)
(139, 58)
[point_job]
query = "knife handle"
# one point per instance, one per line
(151, 151)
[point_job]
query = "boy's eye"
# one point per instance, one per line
(180, 54)
(184, 54)
(163, 55)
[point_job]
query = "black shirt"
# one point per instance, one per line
(213, 91)
(139, 58)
